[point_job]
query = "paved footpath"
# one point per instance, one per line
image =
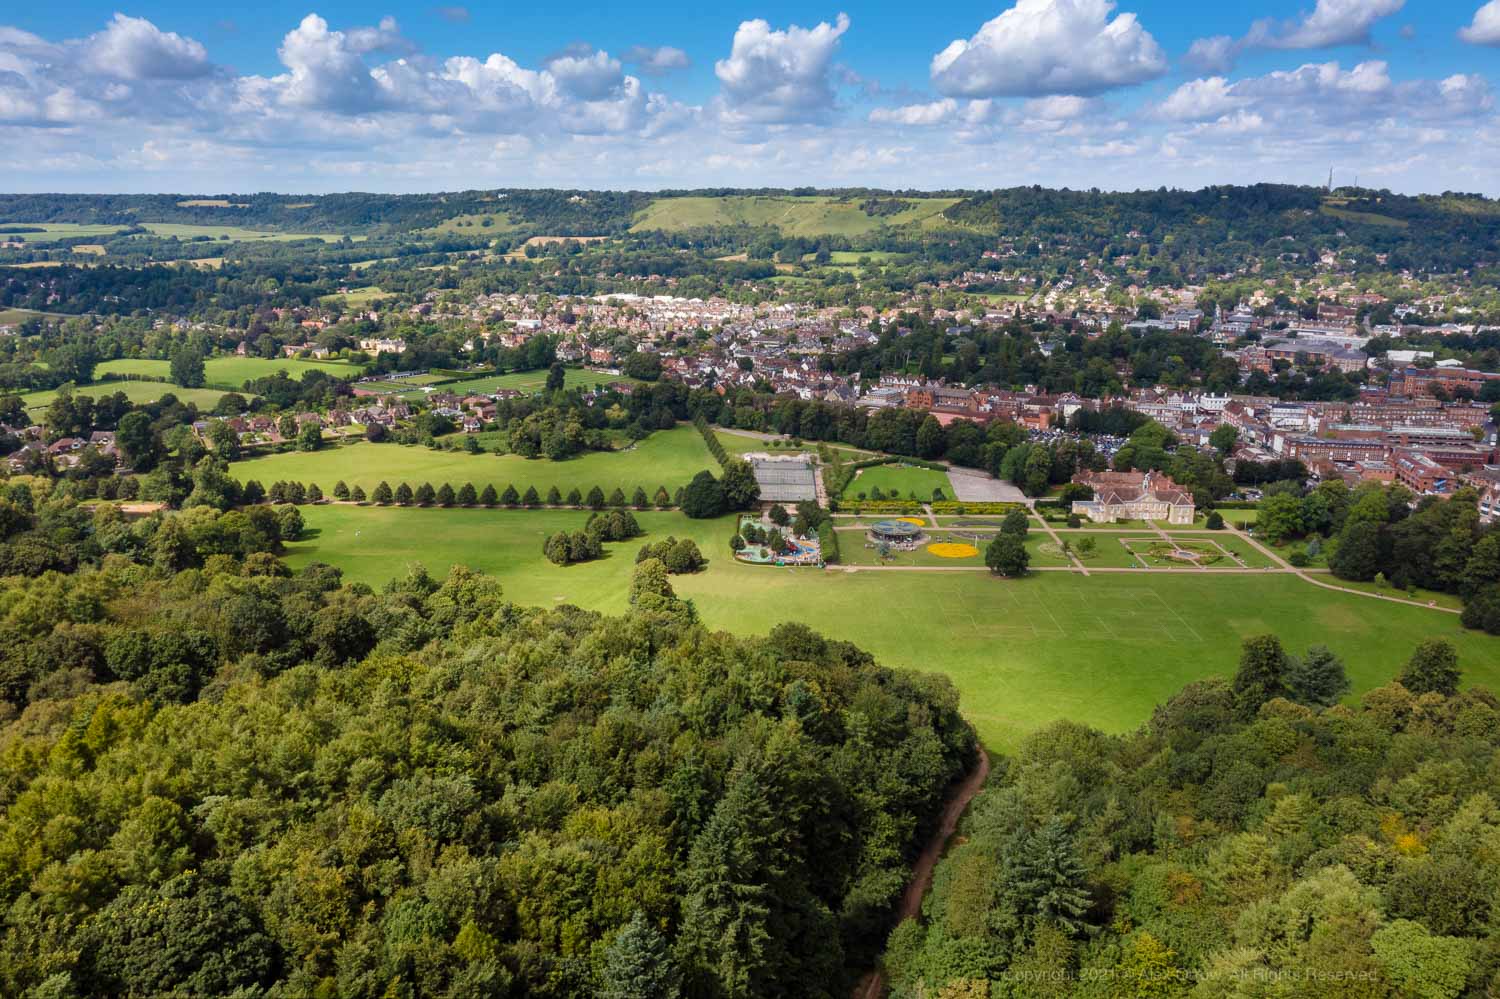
(1280, 567)
(1068, 551)
(1310, 578)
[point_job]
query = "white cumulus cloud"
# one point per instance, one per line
(1332, 22)
(1197, 100)
(132, 48)
(1041, 47)
(1485, 28)
(775, 76)
(933, 113)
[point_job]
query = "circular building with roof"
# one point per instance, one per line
(895, 532)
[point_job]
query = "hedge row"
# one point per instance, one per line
(881, 506)
(902, 459)
(465, 496)
(954, 506)
(828, 541)
(715, 446)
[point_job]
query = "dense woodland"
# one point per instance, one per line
(1248, 842)
(217, 778)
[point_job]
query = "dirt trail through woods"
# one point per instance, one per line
(872, 985)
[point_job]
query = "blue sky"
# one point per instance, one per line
(417, 96)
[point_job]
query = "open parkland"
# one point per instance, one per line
(1099, 631)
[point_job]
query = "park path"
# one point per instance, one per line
(1065, 549)
(1308, 577)
(872, 985)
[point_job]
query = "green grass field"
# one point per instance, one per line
(816, 215)
(136, 392)
(667, 458)
(238, 233)
(903, 480)
(1103, 650)
(355, 298)
(499, 223)
(229, 373)
(55, 231)
(522, 381)
(847, 258)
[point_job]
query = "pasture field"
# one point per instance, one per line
(136, 392)
(474, 224)
(1103, 650)
(521, 381)
(903, 480)
(8, 316)
(237, 233)
(355, 298)
(851, 258)
(667, 458)
(228, 373)
(54, 231)
(816, 215)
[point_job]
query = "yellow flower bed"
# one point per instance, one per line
(951, 549)
(918, 521)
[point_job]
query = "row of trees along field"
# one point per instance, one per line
(1249, 842)
(219, 778)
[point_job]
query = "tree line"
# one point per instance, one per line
(1256, 838)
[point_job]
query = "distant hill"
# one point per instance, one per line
(1447, 231)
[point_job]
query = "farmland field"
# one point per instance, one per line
(815, 215)
(53, 231)
(667, 458)
(1102, 650)
(237, 233)
(848, 258)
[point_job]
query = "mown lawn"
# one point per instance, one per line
(230, 373)
(667, 458)
(523, 381)
(136, 392)
(901, 480)
(1103, 650)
